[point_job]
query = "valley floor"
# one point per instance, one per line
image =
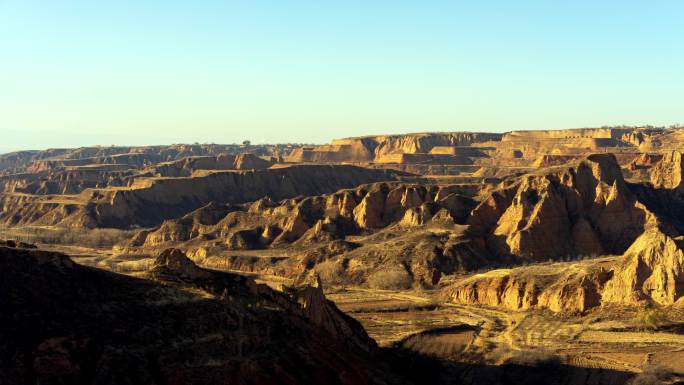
(602, 339)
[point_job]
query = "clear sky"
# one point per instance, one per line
(86, 72)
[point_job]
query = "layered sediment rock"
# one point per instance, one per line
(650, 271)
(553, 288)
(584, 208)
(381, 148)
(37, 161)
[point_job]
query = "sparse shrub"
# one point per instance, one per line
(330, 271)
(650, 319)
(391, 279)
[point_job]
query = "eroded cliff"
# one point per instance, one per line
(650, 271)
(149, 201)
(585, 208)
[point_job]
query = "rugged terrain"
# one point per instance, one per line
(459, 251)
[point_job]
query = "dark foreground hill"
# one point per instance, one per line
(63, 323)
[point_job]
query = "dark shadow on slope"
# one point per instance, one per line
(63, 323)
(420, 369)
(666, 204)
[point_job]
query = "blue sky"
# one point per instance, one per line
(139, 72)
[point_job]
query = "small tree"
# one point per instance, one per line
(246, 143)
(650, 319)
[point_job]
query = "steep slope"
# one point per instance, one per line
(424, 143)
(580, 209)
(65, 323)
(515, 148)
(667, 173)
(664, 196)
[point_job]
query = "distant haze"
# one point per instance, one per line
(148, 72)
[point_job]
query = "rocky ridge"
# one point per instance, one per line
(149, 201)
(312, 219)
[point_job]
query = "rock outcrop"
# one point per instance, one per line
(585, 208)
(645, 161)
(313, 219)
(667, 173)
(558, 290)
(650, 271)
(307, 291)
